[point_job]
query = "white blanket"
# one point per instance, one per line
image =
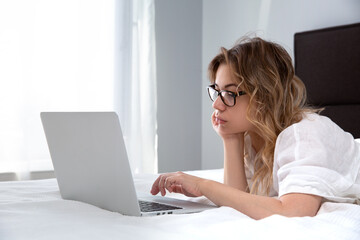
(35, 210)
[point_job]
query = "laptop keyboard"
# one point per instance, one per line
(154, 207)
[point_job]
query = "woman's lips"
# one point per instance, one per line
(219, 120)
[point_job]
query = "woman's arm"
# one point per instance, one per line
(257, 207)
(234, 169)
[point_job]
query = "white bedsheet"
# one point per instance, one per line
(35, 210)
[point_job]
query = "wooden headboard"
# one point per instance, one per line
(328, 62)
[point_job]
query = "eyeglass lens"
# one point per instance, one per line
(226, 97)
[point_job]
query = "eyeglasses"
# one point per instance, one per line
(228, 97)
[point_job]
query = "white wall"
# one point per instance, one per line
(178, 27)
(189, 34)
(227, 20)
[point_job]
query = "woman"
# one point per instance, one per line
(273, 143)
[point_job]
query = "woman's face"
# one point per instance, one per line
(230, 120)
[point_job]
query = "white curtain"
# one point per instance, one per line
(135, 60)
(66, 55)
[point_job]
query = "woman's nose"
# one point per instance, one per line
(218, 104)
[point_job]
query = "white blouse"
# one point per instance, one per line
(315, 156)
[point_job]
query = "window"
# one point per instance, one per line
(61, 55)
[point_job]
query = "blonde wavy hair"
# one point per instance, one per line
(265, 72)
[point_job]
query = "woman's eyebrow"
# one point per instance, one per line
(231, 85)
(227, 85)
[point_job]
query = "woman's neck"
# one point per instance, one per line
(256, 141)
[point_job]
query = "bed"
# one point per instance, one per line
(35, 210)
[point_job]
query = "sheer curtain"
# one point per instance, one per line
(63, 55)
(136, 99)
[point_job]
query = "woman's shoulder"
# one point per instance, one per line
(313, 124)
(316, 156)
(312, 120)
(314, 131)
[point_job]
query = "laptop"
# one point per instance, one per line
(91, 165)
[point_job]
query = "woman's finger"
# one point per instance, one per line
(161, 185)
(155, 187)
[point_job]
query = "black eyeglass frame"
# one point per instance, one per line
(219, 93)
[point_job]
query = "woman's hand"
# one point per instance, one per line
(178, 182)
(216, 123)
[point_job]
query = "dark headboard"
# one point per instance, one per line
(328, 62)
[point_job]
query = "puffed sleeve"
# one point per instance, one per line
(317, 157)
